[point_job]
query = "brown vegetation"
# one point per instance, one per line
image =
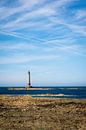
(27, 113)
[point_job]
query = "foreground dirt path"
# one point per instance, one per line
(26, 113)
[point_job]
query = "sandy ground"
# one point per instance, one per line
(27, 113)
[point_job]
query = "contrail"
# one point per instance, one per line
(19, 35)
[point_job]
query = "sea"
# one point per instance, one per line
(78, 92)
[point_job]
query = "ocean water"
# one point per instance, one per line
(50, 92)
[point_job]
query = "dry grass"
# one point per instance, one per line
(27, 113)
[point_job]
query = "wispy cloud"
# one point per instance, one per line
(77, 29)
(46, 15)
(24, 5)
(17, 46)
(68, 48)
(32, 17)
(43, 33)
(80, 14)
(24, 59)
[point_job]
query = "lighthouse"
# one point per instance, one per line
(29, 84)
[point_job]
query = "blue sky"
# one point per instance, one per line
(47, 37)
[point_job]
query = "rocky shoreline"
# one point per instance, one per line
(27, 113)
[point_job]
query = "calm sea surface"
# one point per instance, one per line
(51, 92)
